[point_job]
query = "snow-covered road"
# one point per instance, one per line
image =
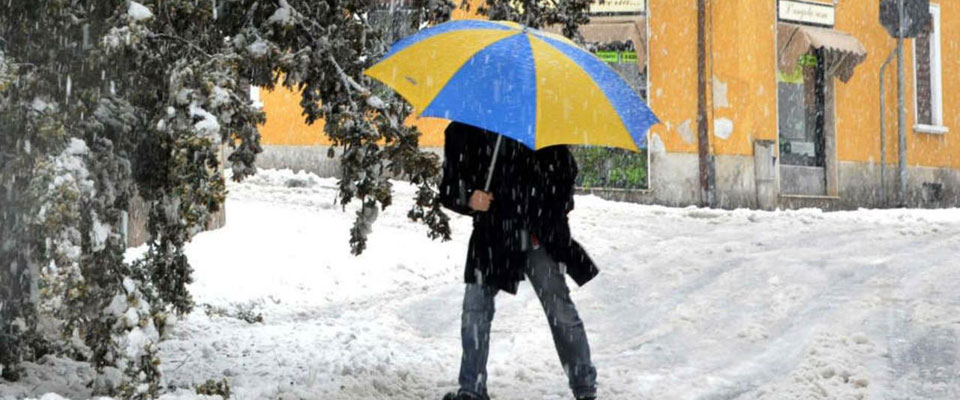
(690, 304)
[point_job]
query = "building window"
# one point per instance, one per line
(620, 41)
(802, 104)
(617, 34)
(928, 76)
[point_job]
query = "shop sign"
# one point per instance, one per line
(808, 13)
(619, 7)
(608, 56)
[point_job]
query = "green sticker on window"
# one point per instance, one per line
(608, 56)
(795, 77)
(629, 56)
(808, 60)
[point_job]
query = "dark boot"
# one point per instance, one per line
(460, 395)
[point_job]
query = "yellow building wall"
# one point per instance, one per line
(672, 67)
(857, 109)
(741, 84)
(285, 121)
(743, 72)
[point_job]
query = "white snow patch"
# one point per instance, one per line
(76, 147)
(723, 128)
(219, 97)
(117, 37)
(283, 15)
(685, 129)
(280, 16)
(139, 12)
(129, 285)
(208, 126)
(375, 102)
(258, 49)
(99, 234)
(131, 317)
(70, 168)
(183, 96)
(39, 105)
(118, 305)
(138, 340)
(656, 144)
(720, 99)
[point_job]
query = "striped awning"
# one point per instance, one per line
(842, 51)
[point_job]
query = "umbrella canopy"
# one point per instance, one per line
(538, 88)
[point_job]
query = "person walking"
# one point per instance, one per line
(520, 229)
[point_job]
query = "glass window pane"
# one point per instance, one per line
(924, 79)
(613, 168)
(800, 113)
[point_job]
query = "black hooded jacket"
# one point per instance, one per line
(532, 194)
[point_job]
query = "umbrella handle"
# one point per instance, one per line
(493, 161)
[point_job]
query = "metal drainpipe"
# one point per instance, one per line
(902, 115)
(883, 130)
(707, 195)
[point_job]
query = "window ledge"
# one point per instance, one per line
(932, 129)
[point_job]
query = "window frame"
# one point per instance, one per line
(936, 80)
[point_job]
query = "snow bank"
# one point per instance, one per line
(690, 304)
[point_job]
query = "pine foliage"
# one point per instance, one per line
(103, 102)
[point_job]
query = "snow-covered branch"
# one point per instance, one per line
(192, 45)
(372, 100)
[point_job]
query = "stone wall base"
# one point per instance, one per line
(675, 181)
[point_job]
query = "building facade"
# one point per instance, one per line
(791, 105)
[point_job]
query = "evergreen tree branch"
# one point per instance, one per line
(190, 44)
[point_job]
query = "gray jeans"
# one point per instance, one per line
(569, 335)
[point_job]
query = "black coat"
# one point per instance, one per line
(532, 193)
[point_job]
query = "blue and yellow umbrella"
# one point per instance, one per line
(538, 88)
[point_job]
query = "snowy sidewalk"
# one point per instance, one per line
(690, 304)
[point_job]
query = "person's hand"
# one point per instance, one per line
(480, 200)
